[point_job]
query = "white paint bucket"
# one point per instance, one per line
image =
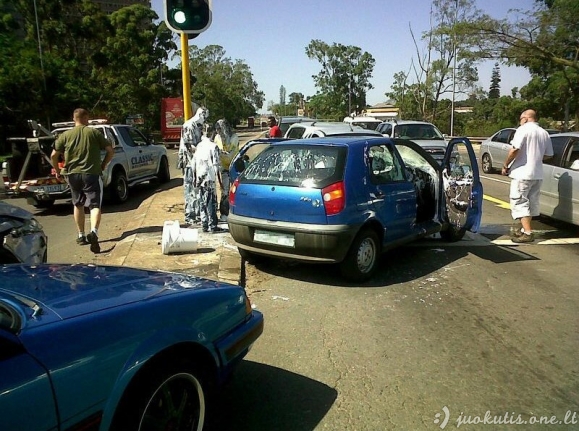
(177, 240)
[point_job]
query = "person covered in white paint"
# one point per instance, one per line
(191, 134)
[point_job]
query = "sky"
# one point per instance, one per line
(271, 38)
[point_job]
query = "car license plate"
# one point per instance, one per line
(276, 238)
(55, 188)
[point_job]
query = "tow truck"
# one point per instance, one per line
(29, 172)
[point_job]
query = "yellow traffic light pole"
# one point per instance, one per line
(185, 71)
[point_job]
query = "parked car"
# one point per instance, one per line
(347, 199)
(560, 188)
(493, 151)
(114, 348)
(285, 122)
(136, 160)
(423, 133)
(368, 123)
(22, 239)
(318, 129)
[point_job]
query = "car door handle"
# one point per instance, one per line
(557, 176)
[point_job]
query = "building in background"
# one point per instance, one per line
(110, 6)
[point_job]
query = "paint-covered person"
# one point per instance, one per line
(228, 143)
(206, 171)
(191, 133)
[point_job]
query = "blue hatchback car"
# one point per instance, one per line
(346, 200)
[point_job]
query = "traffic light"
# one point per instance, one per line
(188, 16)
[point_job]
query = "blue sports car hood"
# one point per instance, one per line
(51, 292)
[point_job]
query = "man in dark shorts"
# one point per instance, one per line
(81, 148)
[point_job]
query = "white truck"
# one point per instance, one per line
(29, 172)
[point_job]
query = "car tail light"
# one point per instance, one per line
(232, 191)
(334, 197)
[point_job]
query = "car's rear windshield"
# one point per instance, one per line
(297, 165)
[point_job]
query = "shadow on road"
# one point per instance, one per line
(397, 266)
(262, 397)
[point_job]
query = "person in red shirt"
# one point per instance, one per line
(274, 130)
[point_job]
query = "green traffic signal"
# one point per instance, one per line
(188, 16)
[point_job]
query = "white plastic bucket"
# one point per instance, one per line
(177, 240)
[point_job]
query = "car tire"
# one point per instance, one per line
(487, 164)
(43, 204)
(169, 396)
(119, 187)
(164, 176)
(361, 261)
(452, 234)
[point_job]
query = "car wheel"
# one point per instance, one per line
(452, 234)
(43, 204)
(164, 176)
(119, 187)
(487, 164)
(362, 259)
(169, 398)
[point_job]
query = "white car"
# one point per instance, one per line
(319, 129)
(420, 132)
(560, 189)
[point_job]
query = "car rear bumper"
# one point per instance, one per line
(296, 241)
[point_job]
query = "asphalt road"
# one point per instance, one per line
(443, 331)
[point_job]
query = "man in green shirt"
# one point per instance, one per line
(81, 148)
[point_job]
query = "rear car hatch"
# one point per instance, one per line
(286, 182)
(280, 203)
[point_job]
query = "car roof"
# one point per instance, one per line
(335, 140)
(571, 134)
(295, 119)
(399, 122)
(332, 128)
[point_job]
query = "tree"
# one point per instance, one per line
(344, 80)
(495, 88)
(545, 41)
(225, 86)
(134, 52)
(442, 68)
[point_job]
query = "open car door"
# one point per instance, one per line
(462, 190)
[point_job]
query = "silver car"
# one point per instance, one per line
(493, 151)
(560, 189)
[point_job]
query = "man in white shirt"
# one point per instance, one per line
(531, 145)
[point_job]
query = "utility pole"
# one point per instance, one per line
(453, 68)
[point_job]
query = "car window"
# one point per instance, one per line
(295, 132)
(504, 136)
(297, 165)
(368, 125)
(572, 159)
(418, 131)
(559, 143)
(383, 165)
(132, 137)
